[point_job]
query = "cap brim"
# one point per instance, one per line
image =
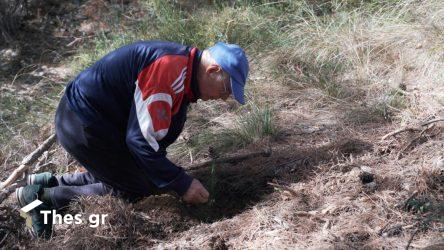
(237, 90)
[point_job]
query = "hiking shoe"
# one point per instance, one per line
(45, 179)
(34, 219)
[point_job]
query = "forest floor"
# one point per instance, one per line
(331, 182)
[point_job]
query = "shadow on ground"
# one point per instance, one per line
(39, 36)
(234, 188)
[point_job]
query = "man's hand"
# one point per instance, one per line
(196, 193)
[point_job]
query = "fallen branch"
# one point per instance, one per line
(27, 162)
(41, 159)
(41, 167)
(233, 158)
(41, 163)
(404, 129)
(413, 141)
(432, 121)
(76, 40)
(411, 238)
(412, 128)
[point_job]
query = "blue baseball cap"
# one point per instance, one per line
(232, 59)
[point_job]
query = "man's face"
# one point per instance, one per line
(215, 84)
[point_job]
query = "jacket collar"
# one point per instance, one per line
(191, 87)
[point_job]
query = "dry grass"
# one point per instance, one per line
(127, 225)
(335, 77)
(365, 58)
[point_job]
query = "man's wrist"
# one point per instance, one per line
(181, 184)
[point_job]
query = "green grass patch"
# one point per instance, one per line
(253, 123)
(23, 112)
(254, 28)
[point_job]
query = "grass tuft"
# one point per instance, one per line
(253, 124)
(256, 123)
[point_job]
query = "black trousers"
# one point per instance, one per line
(111, 169)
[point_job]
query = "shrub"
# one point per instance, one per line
(11, 15)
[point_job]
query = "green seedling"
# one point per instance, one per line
(213, 180)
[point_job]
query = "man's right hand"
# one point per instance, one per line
(196, 193)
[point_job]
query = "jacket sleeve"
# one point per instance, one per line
(148, 123)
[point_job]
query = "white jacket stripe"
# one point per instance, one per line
(179, 90)
(180, 78)
(144, 117)
(179, 86)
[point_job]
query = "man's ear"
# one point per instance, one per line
(213, 68)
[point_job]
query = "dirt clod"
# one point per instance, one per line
(366, 175)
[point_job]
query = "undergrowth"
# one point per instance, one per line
(327, 45)
(367, 58)
(252, 124)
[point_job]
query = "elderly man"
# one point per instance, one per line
(118, 117)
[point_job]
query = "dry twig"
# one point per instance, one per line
(27, 161)
(233, 158)
(413, 141)
(412, 128)
(41, 167)
(411, 238)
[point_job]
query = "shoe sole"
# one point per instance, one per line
(18, 194)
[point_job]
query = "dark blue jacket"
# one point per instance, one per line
(138, 96)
